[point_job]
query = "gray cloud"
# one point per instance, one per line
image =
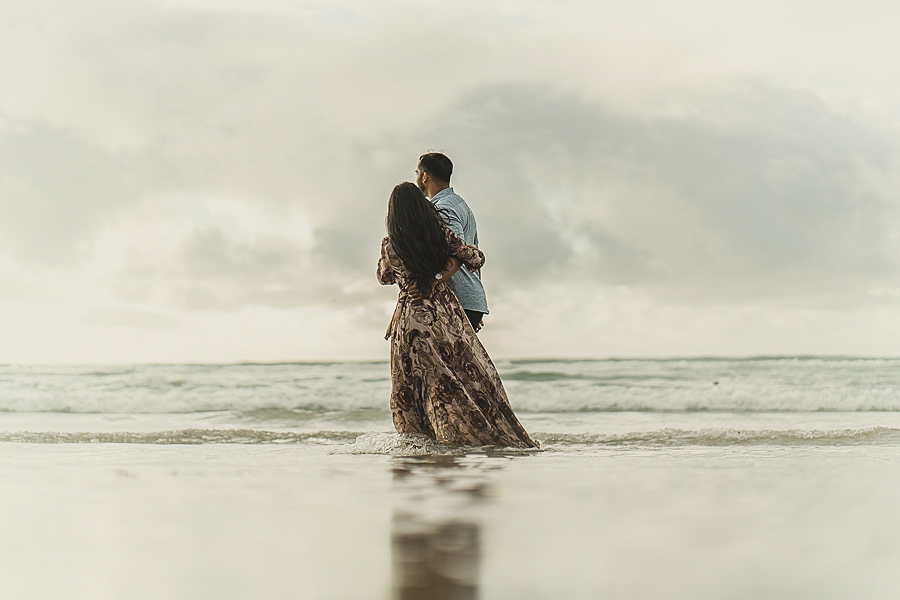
(211, 271)
(219, 273)
(761, 194)
(117, 318)
(56, 193)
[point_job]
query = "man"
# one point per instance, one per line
(433, 178)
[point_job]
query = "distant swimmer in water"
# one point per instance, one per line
(444, 384)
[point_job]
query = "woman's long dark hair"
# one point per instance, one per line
(417, 234)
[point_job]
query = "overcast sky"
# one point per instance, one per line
(207, 180)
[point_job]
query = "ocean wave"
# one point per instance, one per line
(188, 389)
(180, 436)
(725, 437)
(301, 414)
(343, 392)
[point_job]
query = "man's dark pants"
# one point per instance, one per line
(474, 318)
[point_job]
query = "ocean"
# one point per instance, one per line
(695, 478)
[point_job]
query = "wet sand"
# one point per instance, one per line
(237, 521)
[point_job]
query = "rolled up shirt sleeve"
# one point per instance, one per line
(453, 222)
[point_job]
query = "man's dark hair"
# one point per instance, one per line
(437, 165)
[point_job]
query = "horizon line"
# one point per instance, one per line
(538, 359)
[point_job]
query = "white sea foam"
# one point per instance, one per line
(396, 444)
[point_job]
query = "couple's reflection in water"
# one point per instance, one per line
(436, 538)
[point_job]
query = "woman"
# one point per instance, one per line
(444, 385)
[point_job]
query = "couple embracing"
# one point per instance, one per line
(444, 385)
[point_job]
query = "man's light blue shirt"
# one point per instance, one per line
(459, 219)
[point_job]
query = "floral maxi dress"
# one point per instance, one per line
(444, 384)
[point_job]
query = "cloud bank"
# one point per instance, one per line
(208, 181)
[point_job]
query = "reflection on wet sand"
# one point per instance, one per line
(435, 534)
(435, 563)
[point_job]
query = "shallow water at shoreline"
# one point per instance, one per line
(232, 521)
(724, 479)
